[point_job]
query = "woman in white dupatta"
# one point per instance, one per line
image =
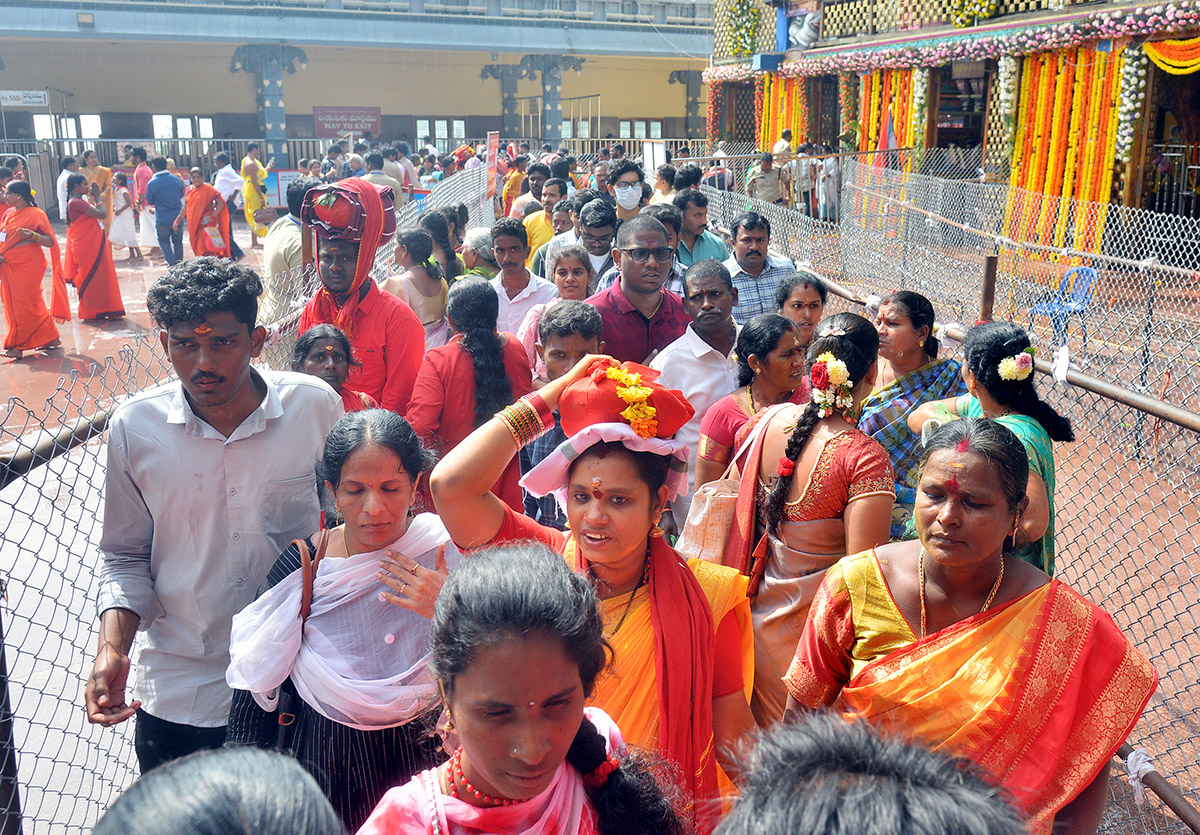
(517, 646)
(348, 691)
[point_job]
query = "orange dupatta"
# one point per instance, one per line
(1040, 692)
(198, 203)
(683, 671)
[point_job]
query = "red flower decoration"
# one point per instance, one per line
(818, 375)
(786, 467)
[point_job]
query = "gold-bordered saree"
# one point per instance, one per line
(1040, 691)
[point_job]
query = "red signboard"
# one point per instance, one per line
(332, 122)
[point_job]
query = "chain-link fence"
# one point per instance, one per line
(1127, 499)
(51, 499)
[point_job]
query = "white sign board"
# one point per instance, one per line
(654, 154)
(23, 98)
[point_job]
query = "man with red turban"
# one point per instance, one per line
(352, 219)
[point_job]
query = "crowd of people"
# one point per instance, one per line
(448, 562)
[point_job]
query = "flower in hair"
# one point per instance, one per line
(833, 332)
(1018, 366)
(599, 776)
(830, 385)
(786, 467)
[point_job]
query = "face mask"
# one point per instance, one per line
(597, 261)
(629, 198)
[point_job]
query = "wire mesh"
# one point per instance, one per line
(68, 769)
(1127, 498)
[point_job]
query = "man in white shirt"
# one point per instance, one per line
(283, 258)
(784, 145)
(518, 288)
(404, 152)
(209, 478)
(702, 363)
(66, 168)
(228, 183)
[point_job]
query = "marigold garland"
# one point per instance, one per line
(785, 106)
(1175, 57)
(639, 413)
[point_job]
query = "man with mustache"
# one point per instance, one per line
(640, 317)
(702, 363)
(209, 477)
(755, 271)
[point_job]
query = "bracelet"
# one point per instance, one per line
(526, 419)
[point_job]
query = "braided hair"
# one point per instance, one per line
(985, 346)
(419, 244)
(435, 224)
(858, 348)
(473, 309)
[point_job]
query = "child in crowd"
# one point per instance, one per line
(568, 331)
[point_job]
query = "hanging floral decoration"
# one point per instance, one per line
(920, 102)
(785, 107)
(744, 19)
(714, 113)
(1065, 144)
(1142, 21)
(848, 105)
(1006, 81)
(760, 94)
(965, 13)
(1133, 94)
(888, 94)
(1176, 57)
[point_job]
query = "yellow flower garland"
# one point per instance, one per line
(640, 414)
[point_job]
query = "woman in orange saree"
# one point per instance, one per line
(24, 232)
(102, 177)
(207, 218)
(679, 629)
(1038, 686)
(88, 263)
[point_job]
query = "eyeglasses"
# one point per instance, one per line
(627, 186)
(661, 254)
(596, 239)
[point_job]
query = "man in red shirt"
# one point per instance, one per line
(352, 219)
(640, 317)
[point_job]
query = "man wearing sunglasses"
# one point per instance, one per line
(639, 317)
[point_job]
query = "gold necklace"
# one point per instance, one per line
(643, 580)
(987, 604)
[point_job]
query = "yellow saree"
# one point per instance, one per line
(1040, 691)
(252, 194)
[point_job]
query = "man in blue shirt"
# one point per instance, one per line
(696, 243)
(165, 193)
(755, 271)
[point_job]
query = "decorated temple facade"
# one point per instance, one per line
(1088, 101)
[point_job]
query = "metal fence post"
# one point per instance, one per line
(10, 791)
(987, 295)
(1143, 379)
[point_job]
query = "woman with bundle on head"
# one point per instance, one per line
(823, 489)
(571, 271)
(422, 285)
(443, 248)
(998, 371)
(532, 758)
(680, 630)
(25, 234)
(345, 655)
(88, 261)
(956, 642)
(463, 383)
(771, 369)
(910, 374)
(324, 351)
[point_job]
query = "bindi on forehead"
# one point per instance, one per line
(202, 330)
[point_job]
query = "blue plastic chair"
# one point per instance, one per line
(1074, 297)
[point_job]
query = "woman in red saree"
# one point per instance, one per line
(207, 218)
(89, 263)
(679, 630)
(957, 642)
(24, 231)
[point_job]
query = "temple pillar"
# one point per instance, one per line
(694, 126)
(508, 76)
(268, 62)
(551, 67)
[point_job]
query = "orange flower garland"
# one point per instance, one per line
(1174, 56)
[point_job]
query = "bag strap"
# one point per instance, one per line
(758, 565)
(308, 568)
(741, 532)
(732, 470)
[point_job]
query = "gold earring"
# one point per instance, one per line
(655, 530)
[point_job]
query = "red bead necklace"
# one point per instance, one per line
(457, 776)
